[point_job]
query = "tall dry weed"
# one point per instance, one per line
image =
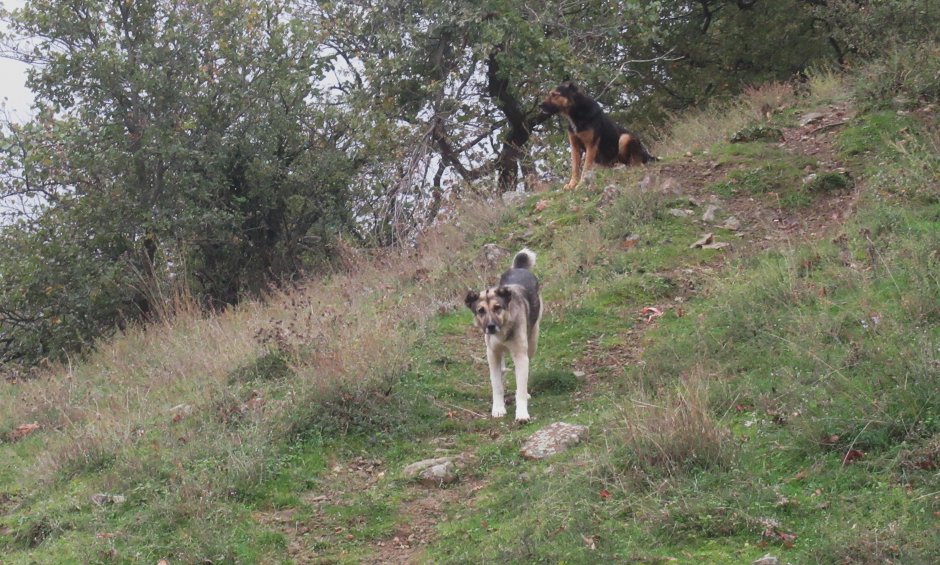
(670, 433)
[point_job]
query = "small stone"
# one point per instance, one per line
(433, 472)
(553, 439)
(102, 498)
(811, 117)
(732, 223)
(494, 253)
(680, 213)
(766, 560)
(514, 198)
(709, 215)
(706, 239)
(670, 186)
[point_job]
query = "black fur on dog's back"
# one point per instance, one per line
(521, 275)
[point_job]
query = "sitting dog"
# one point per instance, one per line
(509, 316)
(591, 131)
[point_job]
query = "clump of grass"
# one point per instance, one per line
(905, 76)
(634, 211)
(828, 182)
(699, 130)
(271, 366)
(759, 132)
(671, 433)
(553, 381)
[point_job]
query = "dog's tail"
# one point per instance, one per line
(525, 259)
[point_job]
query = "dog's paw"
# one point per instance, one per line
(522, 417)
(571, 185)
(499, 411)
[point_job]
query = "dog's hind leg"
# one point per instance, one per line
(533, 340)
(497, 363)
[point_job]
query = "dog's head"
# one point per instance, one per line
(490, 309)
(560, 99)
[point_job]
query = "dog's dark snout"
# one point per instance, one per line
(491, 328)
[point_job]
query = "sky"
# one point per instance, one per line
(13, 92)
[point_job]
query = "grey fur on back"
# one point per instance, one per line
(530, 289)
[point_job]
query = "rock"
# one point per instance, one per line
(494, 253)
(732, 223)
(101, 498)
(181, 411)
(716, 245)
(709, 215)
(670, 186)
(680, 213)
(810, 118)
(553, 439)
(435, 472)
(514, 198)
(704, 240)
(766, 560)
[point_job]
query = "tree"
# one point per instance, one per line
(176, 143)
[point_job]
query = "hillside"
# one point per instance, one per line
(776, 395)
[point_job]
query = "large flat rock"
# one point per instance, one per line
(553, 439)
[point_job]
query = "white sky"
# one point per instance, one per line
(13, 92)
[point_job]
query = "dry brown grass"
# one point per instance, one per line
(699, 129)
(671, 432)
(346, 327)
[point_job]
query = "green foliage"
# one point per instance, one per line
(176, 149)
(271, 366)
(828, 182)
(553, 381)
(757, 133)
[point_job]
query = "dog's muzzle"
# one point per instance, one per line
(549, 108)
(492, 329)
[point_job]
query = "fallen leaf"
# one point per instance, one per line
(852, 455)
(22, 431)
(541, 205)
(589, 541)
(653, 313)
(605, 494)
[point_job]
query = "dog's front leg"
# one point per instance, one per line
(575, 161)
(495, 360)
(520, 359)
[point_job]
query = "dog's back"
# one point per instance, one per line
(521, 275)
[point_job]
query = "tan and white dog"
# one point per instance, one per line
(509, 316)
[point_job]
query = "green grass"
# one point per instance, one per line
(724, 440)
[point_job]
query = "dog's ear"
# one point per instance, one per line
(505, 293)
(471, 298)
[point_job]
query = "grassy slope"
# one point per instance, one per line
(719, 431)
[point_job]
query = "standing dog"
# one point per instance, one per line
(509, 316)
(591, 131)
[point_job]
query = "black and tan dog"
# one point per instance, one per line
(509, 316)
(592, 132)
